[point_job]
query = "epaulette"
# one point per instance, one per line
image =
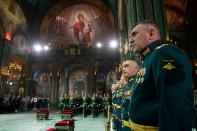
(146, 51)
(159, 47)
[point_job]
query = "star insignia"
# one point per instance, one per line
(169, 66)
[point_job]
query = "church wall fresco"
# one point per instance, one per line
(78, 24)
(12, 16)
(176, 22)
(181, 4)
(21, 45)
(175, 12)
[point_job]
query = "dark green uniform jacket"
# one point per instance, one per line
(116, 102)
(126, 97)
(162, 94)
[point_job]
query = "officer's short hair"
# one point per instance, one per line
(132, 59)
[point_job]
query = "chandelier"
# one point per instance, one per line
(60, 19)
(13, 67)
(5, 71)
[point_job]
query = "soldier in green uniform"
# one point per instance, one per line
(94, 108)
(162, 93)
(66, 99)
(62, 103)
(117, 89)
(99, 103)
(77, 104)
(106, 103)
(130, 67)
(114, 120)
(71, 102)
(85, 105)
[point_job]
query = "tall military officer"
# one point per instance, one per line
(162, 94)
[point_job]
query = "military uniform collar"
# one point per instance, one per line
(150, 47)
(130, 80)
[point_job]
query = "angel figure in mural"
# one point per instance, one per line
(81, 29)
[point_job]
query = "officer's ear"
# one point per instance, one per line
(151, 32)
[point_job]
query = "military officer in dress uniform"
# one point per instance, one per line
(130, 67)
(162, 93)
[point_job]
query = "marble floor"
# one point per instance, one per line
(28, 122)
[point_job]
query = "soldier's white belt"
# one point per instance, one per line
(138, 127)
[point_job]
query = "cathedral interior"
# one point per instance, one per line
(47, 52)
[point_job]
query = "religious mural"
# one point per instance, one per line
(176, 21)
(175, 12)
(21, 45)
(111, 77)
(12, 16)
(78, 83)
(79, 24)
(81, 29)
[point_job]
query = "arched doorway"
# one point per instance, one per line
(43, 83)
(79, 87)
(78, 82)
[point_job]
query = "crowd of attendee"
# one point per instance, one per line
(37, 103)
(10, 103)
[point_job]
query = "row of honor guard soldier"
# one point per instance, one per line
(85, 104)
(116, 104)
(99, 104)
(121, 95)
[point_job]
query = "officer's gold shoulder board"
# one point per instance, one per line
(169, 66)
(161, 46)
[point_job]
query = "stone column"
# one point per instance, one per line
(55, 89)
